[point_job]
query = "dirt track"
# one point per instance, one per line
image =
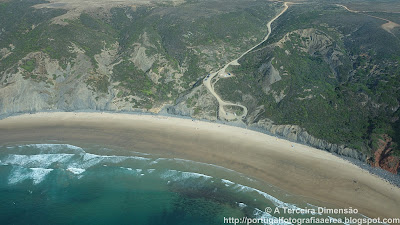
(386, 26)
(210, 86)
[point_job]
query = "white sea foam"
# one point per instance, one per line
(242, 205)
(243, 188)
(137, 172)
(274, 200)
(54, 146)
(155, 161)
(82, 161)
(206, 164)
(76, 171)
(179, 175)
(42, 160)
(169, 174)
(20, 174)
(89, 156)
(90, 160)
(137, 158)
(314, 206)
(186, 175)
(193, 162)
(38, 174)
(227, 182)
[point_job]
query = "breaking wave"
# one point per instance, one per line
(36, 162)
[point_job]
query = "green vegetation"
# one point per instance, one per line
(234, 109)
(132, 79)
(99, 84)
(351, 102)
(175, 35)
(34, 32)
(29, 65)
(350, 76)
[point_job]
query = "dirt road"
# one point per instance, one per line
(209, 83)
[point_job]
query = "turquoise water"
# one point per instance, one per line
(66, 184)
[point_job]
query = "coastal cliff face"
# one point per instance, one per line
(382, 157)
(298, 134)
(318, 80)
(325, 82)
(49, 87)
(119, 57)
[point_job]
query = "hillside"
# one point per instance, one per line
(328, 75)
(335, 77)
(121, 57)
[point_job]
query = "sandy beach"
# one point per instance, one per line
(293, 167)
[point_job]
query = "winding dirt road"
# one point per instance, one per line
(222, 113)
(388, 26)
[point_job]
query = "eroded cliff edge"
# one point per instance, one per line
(317, 81)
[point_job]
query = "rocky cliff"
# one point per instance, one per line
(382, 157)
(298, 134)
(318, 80)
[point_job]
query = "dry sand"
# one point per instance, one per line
(300, 170)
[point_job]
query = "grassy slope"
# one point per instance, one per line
(364, 45)
(177, 34)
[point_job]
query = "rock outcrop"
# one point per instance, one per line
(49, 87)
(197, 103)
(298, 134)
(383, 157)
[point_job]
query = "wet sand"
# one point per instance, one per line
(296, 168)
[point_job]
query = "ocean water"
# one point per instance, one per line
(67, 184)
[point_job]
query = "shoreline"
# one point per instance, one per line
(293, 167)
(381, 173)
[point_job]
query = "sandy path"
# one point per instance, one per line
(388, 26)
(301, 170)
(210, 86)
